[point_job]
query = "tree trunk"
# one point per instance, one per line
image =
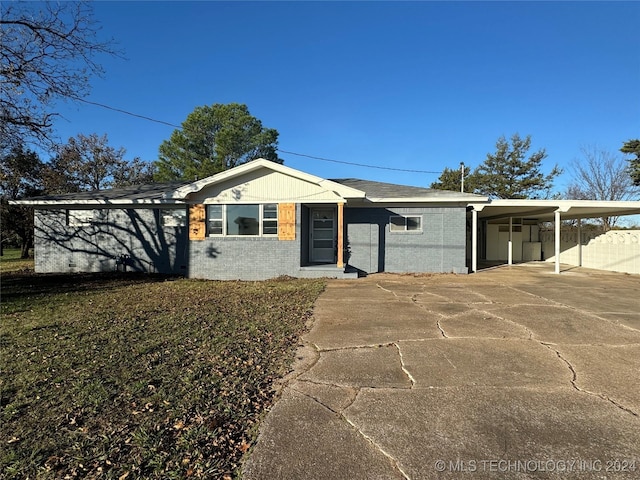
(24, 249)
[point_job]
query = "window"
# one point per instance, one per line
(242, 220)
(214, 219)
(405, 223)
(270, 219)
(173, 217)
(79, 218)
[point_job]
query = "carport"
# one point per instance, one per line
(543, 211)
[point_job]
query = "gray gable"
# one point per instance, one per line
(391, 190)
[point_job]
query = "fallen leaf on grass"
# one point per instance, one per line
(179, 425)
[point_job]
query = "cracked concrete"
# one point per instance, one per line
(610, 383)
(375, 367)
(504, 362)
(315, 443)
(513, 364)
(482, 324)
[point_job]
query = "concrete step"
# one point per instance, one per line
(326, 271)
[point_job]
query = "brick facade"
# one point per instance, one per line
(99, 247)
(438, 248)
(149, 246)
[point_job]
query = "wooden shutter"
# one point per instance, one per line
(286, 221)
(197, 226)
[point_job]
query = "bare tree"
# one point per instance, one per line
(601, 175)
(134, 172)
(47, 52)
(88, 162)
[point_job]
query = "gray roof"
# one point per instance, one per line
(152, 191)
(391, 190)
(156, 191)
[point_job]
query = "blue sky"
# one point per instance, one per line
(416, 85)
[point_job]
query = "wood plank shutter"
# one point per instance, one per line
(197, 227)
(286, 221)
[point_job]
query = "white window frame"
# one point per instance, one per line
(261, 219)
(268, 219)
(78, 217)
(173, 217)
(406, 224)
(221, 218)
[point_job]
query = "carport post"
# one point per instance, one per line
(340, 255)
(510, 249)
(474, 240)
(557, 239)
(579, 242)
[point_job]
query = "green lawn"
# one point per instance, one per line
(138, 376)
(11, 261)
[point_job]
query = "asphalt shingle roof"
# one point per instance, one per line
(155, 191)
(152, 191)
(391, 190)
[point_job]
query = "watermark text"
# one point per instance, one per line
(537, 465)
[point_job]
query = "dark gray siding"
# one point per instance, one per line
(137, 233)
(438, 248)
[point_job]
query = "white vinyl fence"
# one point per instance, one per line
(616, 250)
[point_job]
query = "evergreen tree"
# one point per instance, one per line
(213, 139)
(509, 173)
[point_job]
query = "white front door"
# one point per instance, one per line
(323, 235)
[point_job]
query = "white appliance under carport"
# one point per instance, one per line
(530, 212)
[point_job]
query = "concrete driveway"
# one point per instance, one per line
(508, 373)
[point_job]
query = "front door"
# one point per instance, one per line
(323, 235)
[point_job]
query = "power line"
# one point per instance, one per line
(356, 164)
(126, 112)
(162, 122)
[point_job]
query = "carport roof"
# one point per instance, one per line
(544, 210)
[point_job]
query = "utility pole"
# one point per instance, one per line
(461, 177)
